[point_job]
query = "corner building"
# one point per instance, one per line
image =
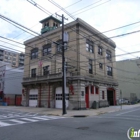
(90, 67)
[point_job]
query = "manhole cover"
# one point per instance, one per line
(83, 128)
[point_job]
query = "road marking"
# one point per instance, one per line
(27, 119)
(4, 124)
(134, 119)
(40, 118)
(17, 121)
(127, 112)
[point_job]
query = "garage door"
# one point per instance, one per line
(58, 97)
(33, 97)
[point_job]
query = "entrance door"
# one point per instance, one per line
(87, 97)
(110, 97)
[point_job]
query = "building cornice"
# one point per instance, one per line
(82, 24)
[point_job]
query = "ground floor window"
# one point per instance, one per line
(97, 90)
(103, 95)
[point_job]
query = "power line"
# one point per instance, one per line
(54, 3)
(103, 32)
(39, 7)
(93, 7)
(86, 6)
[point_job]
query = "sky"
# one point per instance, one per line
(103, 15)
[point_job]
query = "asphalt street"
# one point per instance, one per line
(16, 125)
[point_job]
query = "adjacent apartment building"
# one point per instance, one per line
(10, 84)
(14, 58)
(128, 74)
(90, 62)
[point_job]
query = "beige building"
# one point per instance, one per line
(128, 74)
(14, 58)
(89, 59)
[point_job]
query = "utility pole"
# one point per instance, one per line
(64, 40)
(121, 97)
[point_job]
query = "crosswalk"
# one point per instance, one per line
(22, 118)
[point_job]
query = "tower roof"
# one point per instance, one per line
(50, 17)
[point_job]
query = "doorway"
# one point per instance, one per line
(87, 96)
(111, 97)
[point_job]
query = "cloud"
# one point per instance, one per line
(104, 17)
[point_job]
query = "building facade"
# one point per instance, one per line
(128, 75)
(14, 58)
(89, 57)
(10, 84)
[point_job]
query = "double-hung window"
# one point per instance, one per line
(109, 71)
(59, 46)
(89, 46)
(34, 53)
(47, 49)
(90, 66)
(46, 70)
(108, 55)
(33, 72)
(101, 65)
(100, 50)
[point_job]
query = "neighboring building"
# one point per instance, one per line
(128, 74)
(14, 58)
(89, 61)
(10, 84)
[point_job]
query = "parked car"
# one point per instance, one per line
(123, 101)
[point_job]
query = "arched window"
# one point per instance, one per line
(34, 53)
(47, 49)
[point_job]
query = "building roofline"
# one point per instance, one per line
(96, 32)
(50, 17)
(82, 23)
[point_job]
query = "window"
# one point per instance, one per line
(90, 66)
(14, 63)
(46, 70)
(34, 53)
(33, 72)
(92, 89)
(103, 95)
(100, 65)
(55, 25)
(59, 46)
(100, 50)
(14, 59)
(108, 55)
(89, 46)
(97, 90)
(6, 57)
(47, 49)
(9, 58)
(46, 24)
(109, 70)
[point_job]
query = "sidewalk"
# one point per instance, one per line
(70, 113)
